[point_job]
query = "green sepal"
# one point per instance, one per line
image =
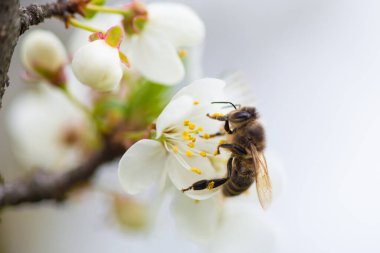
(114, 36)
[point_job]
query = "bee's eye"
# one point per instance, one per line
(239, 117)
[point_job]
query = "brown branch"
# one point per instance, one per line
(43, 186)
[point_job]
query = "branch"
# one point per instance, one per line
(51, 186)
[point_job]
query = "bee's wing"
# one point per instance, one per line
(263, 184)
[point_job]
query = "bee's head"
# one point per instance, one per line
(242, 115)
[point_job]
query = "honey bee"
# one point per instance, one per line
(247, 164)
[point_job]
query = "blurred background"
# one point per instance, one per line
(314, 66)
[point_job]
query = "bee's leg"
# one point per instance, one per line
(217, 134)
(234, 148)
(226, 122)
(211, 183)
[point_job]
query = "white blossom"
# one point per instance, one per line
(47, 131)
(98, 65)
(183, 149)
(154, 51)
(43, 53)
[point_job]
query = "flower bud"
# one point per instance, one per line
(98, 65)
(43, 53)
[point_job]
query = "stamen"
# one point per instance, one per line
(196, 102)
(210, 185)
(196, 201)
(222, 142)
(200, 129)
(196, 170)
(206, 136)
(175, 149)
(186, 122)
(193, 139)
(191, 144)
(182, 53)
(191, 126)
(216, 153)
(189, 153)
(203, 153)
(186, 136)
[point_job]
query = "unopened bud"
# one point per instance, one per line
(43, 54)
(98, 65)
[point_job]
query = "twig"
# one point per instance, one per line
(44, 186)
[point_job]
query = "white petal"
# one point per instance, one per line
(155, 57)
(141, 166)
(196, 219)
(243, 229)
(174, 113)
(183, 178)
(98, 65)
(204, 90)
(179, 23)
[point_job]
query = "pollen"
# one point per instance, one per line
(193, 139)
(175, 149)
(186, 122)
(216, 153)
(191, 126)
(182, 53)
(203, 153)
(196, 102)
(222, 142)
(206, 136)
(196, 170)
(189, 153)
(210, 185)
(217, 114)
(200, 129)
(191, 144)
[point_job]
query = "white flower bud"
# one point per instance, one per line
(98, 65)
(43, 53)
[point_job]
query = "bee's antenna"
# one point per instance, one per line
(224, 102)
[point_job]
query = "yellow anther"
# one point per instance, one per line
(196, 102)
(216, 153)
(206, 136)
(189, 153)
(191, 126)
(186, 122)
(182, 53)
(203, 153)
(175, 149)
(186, 136)
(200, 129)
(196, 201)
(196, 170)
(193, 139)
(210, 185)
(191, 144)
(222, 142)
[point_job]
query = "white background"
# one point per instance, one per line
(315, 71)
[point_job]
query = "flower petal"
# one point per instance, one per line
(204, 90)
(196, 219)
(242, 227)
(155, 57)
(174, 112)
(183, 178)
(180, 24)
(141, 166)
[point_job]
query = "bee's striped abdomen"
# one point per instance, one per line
(237, 184)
